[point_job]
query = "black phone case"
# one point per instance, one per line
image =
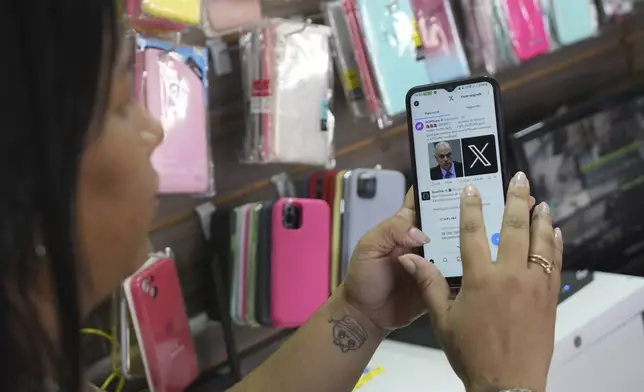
(263, 276)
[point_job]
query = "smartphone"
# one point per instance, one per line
(161, 324)
(299, 260)
(456, 138)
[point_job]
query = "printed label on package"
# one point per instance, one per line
(261, 100)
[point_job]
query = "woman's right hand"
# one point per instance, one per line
(498, 333)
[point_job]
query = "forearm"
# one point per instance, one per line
(320, 356)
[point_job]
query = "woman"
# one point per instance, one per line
(77, 198)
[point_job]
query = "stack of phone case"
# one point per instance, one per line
(172, 82)
(154, 327)
(288, 84)
(220, 17)
(280, 262)
(187, 12)
(139, 19)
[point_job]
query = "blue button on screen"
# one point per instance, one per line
(495, 239)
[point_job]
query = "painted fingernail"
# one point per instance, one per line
(544, 208)
(559, 236)
(470, 191)
(417, 237)
(149, 136)
(520, 180)
(408, 264)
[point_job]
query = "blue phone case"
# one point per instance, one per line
(574, 20)
(389, 30)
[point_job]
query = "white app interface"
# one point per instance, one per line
(456, 143)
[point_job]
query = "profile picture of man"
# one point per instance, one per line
(447, 156)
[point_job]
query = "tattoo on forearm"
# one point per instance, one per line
(348, 334)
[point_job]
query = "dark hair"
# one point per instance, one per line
(57, 62)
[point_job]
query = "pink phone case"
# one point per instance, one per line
(528, 32)
(299, 262)
(162, 327)
(136, 17)
(225, 15)
(175, 95)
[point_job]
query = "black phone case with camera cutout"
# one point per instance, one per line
(363, 211)
(263, 276)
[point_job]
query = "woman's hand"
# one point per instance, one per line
(499, 331)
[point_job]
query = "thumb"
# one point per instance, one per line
(433, 286)
(390, 233)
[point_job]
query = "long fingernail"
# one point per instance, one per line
(408, 264)
(470, 191)
(544, 208)
(149, 136)
(417, 237)
(520, 180)
(559, 236)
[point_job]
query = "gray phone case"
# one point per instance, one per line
(362, 214)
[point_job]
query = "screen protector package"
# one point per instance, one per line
(139, 20)
(345, 57)
(172, 82)
(395, 49)
(288, 80)
(376, 108)
(221, 17)
(444, 53)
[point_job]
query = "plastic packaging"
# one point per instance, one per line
(220, 17)
(172, 82)
(187, 12)
(492, 34)
(527, 31)
(614, 10)
(395, 49)
(471, 37)
(139, 20)
(444, 53)
(378, 113)
(288, 83)
(345, 58)
(573, 20)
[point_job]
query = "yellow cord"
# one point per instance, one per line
(117, 374)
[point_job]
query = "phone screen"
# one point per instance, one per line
(455, 142)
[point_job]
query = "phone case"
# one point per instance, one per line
(328, 193)
(137, 18)
(444, 53)
(362, 214)
(316, 185)
(299, 262)
(174, 94)
(263, 285)
(525, 22)
(575, 20)
(219, 263)
(251, 263)
(184, 11)
(132, 365)
(238, 245)
(224, 16)
(161, 325)
(336, 233)
(392, 41)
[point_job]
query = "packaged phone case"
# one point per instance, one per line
(574, 20)
(395, 48)
(138, 19)
(251, 264)
(173, 86)
(187, 12)
(444, 53)
(614, 10)
(345, 59)
(299, 260)
(336, 231)
(288, 84)
(238, 254)
(487, 25)
(472, 39)
(527, 30)
(220, 17)
(367, 79)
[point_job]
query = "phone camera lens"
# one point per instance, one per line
(416, 103)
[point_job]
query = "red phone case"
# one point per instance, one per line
(314, 180)
(329, 186)
(162, 328)
(299, 262)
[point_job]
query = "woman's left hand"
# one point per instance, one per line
(376, 283)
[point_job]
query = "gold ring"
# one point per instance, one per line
(546, 264)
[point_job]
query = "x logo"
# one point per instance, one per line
(479, 155)
(451, 97)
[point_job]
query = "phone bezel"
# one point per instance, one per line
(455, 282)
